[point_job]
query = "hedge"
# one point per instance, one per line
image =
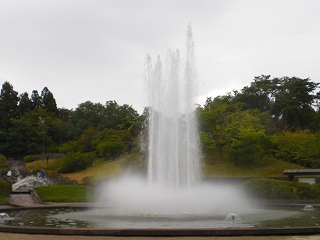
(263, 188)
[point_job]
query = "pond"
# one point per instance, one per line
(263, 217)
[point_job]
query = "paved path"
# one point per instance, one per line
(23, 200)
(14, 236)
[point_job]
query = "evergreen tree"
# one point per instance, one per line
(25, 103)
(36, 100)
(9, 108)
(48, 101)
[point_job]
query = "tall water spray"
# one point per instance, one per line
(173, 150)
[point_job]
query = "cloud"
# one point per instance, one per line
(95, 50)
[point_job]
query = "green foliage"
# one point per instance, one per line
(262, 188)
(66, 193)
(246, 137)
(212, 118)
(5, 190)
(111, 116)
(76, 161)
(239, 124)
(259, 95)
(3, 164)
(111, 147)
(300, 147)
(31, 158)
(25, 103)
(288, 100)
(207, 142)
(48, 101)
(51, 167)
(8, 105)
(36, 100)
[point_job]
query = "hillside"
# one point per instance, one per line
(213, 167)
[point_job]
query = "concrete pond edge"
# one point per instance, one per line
(151, 232)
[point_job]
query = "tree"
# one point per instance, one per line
(293, 102)
(48, 101)
(111, 147)
(76, 161)
(259, 95)
(212, 119)
(301, 147)
(36, 100)
(25, 103)
(86, 115)
(246, 137)
(289, 100)
(9, 108)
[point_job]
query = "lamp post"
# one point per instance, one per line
(44, 135)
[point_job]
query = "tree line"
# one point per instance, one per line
(35, 125)
(272, 117)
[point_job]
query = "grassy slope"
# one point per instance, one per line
(272, 168)
(99, 170)
(214, 166)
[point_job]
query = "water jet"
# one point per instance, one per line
(172, 201)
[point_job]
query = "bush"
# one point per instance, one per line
(5, 190)
(3, 165)
(263, 188)
(66, 193)
(30, 158)
(76, 161)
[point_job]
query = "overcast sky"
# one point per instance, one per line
(95, 50)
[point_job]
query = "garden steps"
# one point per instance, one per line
(60, 180)
(23, 198)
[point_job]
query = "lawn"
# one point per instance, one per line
(214, 166)
(221, 167)
(51, 167)
(100, 170)
(66, 193)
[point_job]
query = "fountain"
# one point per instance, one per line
(233, 217)
(31, 182)
(172, 200)
(173, 184)
(4, 218)
(173, 153)
(308, 207)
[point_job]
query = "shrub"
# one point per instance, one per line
(66, 193)
(5, 190)
(76, 161)
(263, 188)
(30, 158)
(3, 164)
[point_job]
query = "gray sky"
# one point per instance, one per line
(95, 50)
